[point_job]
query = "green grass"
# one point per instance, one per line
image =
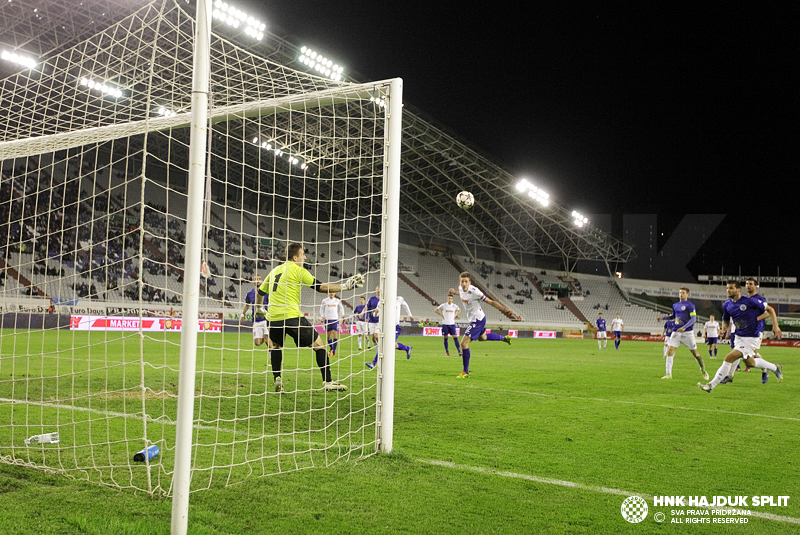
(491, 454)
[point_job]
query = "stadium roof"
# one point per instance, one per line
(436, 164)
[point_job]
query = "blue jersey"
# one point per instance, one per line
(601, 324)
(683, 316)
(358, 311)
(372, 309)
(761, 324)
(668, 327)
(250, 299)
(743, 314)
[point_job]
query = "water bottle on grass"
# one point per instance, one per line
(149, 453)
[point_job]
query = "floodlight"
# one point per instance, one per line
(533, 192)
(320, 63)
(233, 17)
(24, 61)
(101, 86)
(579, 219)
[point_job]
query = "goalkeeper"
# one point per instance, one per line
(283, 285)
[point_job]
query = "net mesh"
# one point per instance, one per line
(94, 148)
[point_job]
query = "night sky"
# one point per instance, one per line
(612, 110)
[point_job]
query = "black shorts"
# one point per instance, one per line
(300, 329)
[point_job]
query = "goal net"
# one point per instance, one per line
(94, 149)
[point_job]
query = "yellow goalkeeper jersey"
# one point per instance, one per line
(283, 285)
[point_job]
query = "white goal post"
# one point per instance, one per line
(105, 212)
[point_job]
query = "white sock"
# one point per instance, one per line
(764, 365)
(669, 365)
(599, 345)
(733, 367)
(721, 374)
(666, 349)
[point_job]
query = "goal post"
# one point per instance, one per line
(182, 478)
(390, 240)
(100, 239)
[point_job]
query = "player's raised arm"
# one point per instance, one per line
(502, 308)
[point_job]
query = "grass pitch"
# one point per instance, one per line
(546, 436)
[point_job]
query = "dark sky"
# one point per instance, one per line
(641, 108)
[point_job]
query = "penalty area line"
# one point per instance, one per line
(621, 401)
(593, 488)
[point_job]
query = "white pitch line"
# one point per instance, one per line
(555, 396)
(593, 488)
(150, 419)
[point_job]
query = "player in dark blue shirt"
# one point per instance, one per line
(683, 317)
(372, 314)
(260, 332)
(751, 286)
(745, 313)
(602, 334)
(668, 327)
(360, 317)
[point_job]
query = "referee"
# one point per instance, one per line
(283, 285)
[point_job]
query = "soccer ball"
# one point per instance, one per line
(465, 200)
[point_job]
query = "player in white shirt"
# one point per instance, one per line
(472, 298)
(401, 303)
(330, 311)
(711, 335)
(617, 326)
(449, 312)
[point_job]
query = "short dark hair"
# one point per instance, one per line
(684, 288)
(293, 250)
(752, 279)
(736, 284)
(466, 275)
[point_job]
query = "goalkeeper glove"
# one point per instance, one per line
(260, 311)
(356, 281)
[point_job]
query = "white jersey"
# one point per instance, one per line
(402, 303)
(616, 324)
(331, 307)
(712, 329)
(472, 302)
(448, 313)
